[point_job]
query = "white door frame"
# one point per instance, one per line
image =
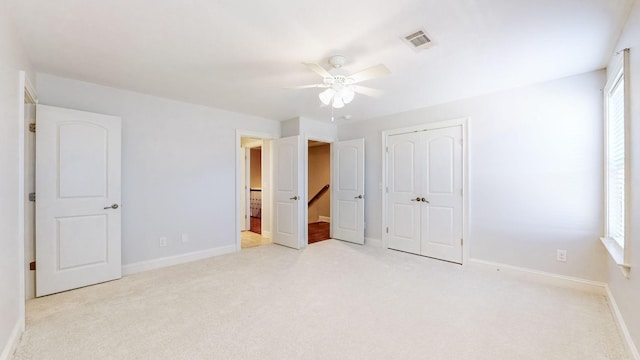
(464, 122)
(258, 135)
(305, 180)
(26, 92)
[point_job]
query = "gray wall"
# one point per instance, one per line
(12, 60)
(535, 173)
(178, 166)
(627, 291)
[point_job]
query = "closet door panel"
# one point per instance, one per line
(404, 188)
(441, 217)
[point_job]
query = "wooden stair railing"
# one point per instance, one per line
(318, 195)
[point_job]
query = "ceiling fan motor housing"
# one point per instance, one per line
(337, 61)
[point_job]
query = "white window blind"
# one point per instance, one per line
(615, 157)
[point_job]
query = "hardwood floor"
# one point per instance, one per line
(256, 225)
(318, 231)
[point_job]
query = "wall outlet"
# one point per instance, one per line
(184, 238)
(561, 255)
(162, 242)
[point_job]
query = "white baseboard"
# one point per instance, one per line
(324, 219)
(373, 242)
(13, 342)
(622, 326)
(593, 287)
(266, 234)
(176, 259)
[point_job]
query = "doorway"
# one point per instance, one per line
(319, 192)
(254, 209)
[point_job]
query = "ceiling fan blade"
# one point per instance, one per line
(308, 86)
(367, 91)
(318, 70)
(370, 73)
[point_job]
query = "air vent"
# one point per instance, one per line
(418, 40)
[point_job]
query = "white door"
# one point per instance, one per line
(287, 186)
(245, 164)
(347, 221)
(442, 191)
(403, 181)
(425, 193)
(78, 224)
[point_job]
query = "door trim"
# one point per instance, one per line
(305, 182)
(26, 94)
(240, 133)
(464, 123)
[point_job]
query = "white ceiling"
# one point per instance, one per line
(240, 55)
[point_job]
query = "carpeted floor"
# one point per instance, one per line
(250, 239)
(333, 300)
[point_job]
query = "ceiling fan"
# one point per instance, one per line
(340, 86)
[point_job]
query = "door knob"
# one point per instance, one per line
(416, 199)
(424, 200)
(358, 197)
(294, 198)
(114, 206)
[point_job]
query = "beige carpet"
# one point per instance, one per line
(250, 239)
(331, 301)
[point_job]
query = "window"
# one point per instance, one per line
(615, 156)
(616, 119)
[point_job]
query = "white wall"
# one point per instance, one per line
(627, 291)
(12, 60)
(535, 173)
(178, 166)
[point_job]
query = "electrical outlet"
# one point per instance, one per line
(561, 255)
(162, 241)
(185, 237)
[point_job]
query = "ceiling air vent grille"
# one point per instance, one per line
(418, 40)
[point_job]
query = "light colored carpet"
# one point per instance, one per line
(250, 239)
(331, 301)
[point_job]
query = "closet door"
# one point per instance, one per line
(441, 187)
(404, 190)
(287, 184)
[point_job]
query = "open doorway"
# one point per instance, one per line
(254, 195)
(319, 194)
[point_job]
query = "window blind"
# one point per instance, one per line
(615, 161)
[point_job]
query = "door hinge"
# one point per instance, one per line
(32, 127)
(461, 242)
(32, 265)
(387, 229)
(32, 196)
(387, 149)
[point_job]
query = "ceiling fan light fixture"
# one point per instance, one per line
(347, 94)
(326, 96)
(337, 102)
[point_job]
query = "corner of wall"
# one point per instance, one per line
(622, 326)
(13, 341)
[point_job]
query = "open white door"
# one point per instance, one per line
(245, 163)
(78, 223)
(287, 184)
(442, 190)
(347, 221)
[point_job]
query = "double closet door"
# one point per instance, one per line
(425, 193)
